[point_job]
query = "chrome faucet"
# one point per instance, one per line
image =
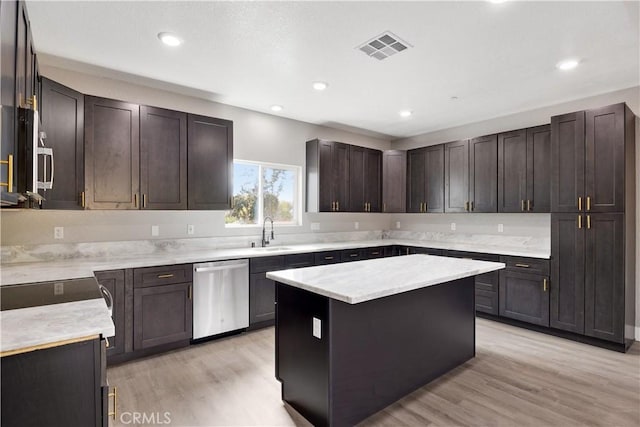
(265, 239)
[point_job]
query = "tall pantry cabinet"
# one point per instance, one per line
(593, 223)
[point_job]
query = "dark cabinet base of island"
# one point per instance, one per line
(371, 354)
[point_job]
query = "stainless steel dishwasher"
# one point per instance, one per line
(220, 297)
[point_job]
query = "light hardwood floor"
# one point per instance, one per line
(518, 378)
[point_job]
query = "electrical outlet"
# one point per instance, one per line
(453, 226)
(58, 232)
(315, 226)
(191, 229)
(397, 224)
(356, 225)
(500, 228)
(58, 288)
(155, 230)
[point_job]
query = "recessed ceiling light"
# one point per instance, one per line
(567, 64)
(170, 39)
(454, 98)
(320, 85)
(276, 108)
(405, 113)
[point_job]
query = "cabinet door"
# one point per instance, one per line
(483, 174)
(262, 294)
(163, 158)
(604, 157)
(416, 179)
(539, 169)
(456, 176)
(567, 272)
(62, 114)
(8, 112)
(567, 162)
(372, 178)
(524, 297)
(434, 188)
(394, 181)
(326, 198)
(357, 178)
(604, 277)
(340, 160)
(112, 154)
(487, 291)
(161, 315)
(114, 282)
(209, 162)
(512, 171)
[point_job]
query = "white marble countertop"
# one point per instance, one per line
(32, 272)
(376, 278)
(35, 326)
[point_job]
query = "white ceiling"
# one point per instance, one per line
(497, 59)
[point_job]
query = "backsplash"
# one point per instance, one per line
(66, 251)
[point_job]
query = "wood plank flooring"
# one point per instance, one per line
(518, 378)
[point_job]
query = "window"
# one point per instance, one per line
(263, 190)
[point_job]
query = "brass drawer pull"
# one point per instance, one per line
(353, 255)
(466, 206)
(337, 206)
(588, 222)
(190, 292)
(82, 199)
(375, 253)
(9, 183)
(165, 276)
(579, 221)
(135, 200)
(144, 200)
(114, 413)
(545, 285)
(523, 265)
(328, 258)
(528, 204)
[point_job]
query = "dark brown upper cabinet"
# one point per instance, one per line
(62, 115)
(456, 176)
(209, 163)
(483, 174)
(524, 170)
(592, 154)
(163, 158)
(327, 167)
(425, 179)
(365, 173)
(112, 154)
(394, 181)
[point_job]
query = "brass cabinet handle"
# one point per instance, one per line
(114, 413)
(588, 203)
(189, 292)
(384, 207)
(579, 203)
(144, 200)
(466, 206)
(337, 206)
(528, 204)
(523, 265)
(328, 258)
(353, 255)
(9, 183)
(135, 200)
(472, 205)
(82, 199)
(579, 221)
(164, 276)
(588, 221)
(545, 285)
(333, 206)
(375, 253)
(522, 205)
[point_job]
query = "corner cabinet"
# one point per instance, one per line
(394, 181)
(112, 154)
(327, 176)
(62, 114)
(209, 163)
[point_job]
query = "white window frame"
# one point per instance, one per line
(297, 209)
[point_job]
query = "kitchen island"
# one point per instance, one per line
(354, 338)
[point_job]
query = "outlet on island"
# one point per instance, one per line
(58, 232)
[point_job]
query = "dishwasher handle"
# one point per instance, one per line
(218, 268)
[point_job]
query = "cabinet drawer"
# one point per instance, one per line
(165, 275)
(328, 257)
(374, 253)
(526, 265)
(427, 251)
(268, 263)
(298, 260)
(472, 255)
(352, 255)
(487, 301)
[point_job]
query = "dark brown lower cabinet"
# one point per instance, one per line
(524, 297)
(348, 255)
(262, 296)
(57, 387)
(486, 285)
(162, 315)
(114, 282)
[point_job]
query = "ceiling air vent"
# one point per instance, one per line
(384, 45)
